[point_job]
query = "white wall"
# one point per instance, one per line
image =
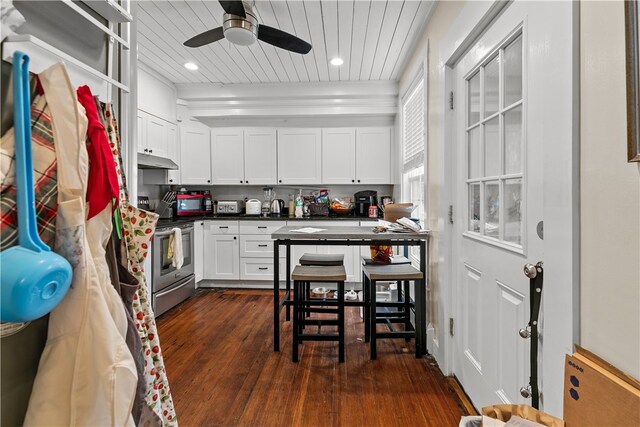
(156, 95)
(428, 44)
(610, 195)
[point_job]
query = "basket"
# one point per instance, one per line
(318, 209)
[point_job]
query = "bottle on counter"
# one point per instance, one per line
(298, 205)
(292, 206)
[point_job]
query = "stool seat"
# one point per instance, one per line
(316, 273)
(392, 272)
(322, 259)
(396, 260)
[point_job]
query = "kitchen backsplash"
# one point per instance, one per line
(155, 192)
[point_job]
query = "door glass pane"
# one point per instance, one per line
(492, 147)
(474, 152)
(474, 207)
(492, 209)
(513, 141)
(513, 72)
(491, 87)
(473, 100)
(513, 210)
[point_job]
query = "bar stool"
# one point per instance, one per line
(396, 273)
(320, 259)
(302, 276)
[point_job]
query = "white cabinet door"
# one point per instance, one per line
(141, 132)
(195, 154)
(260, 157)
(198, 243)
(227, 156)
(373, 155)
(338, 155)
(173, 152)
(221, 257)
(156, 136)
(299, 156)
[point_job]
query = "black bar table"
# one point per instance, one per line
(346, 236)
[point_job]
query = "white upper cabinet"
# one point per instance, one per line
(373, 155)
(195, 154)
(227, 156)
(173, 152)
(299, 156)
(338, 156)
(141, 132)
(157, 136)
(260, 157)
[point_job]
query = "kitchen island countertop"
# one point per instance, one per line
(243, 217)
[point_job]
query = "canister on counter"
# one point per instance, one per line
(373, 211)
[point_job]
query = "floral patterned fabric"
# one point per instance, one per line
(138, 228)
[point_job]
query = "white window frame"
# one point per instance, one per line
(407, 176)
(501, 177)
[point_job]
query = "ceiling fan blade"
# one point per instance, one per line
(205, 38)
(233, 7)
(282, 40)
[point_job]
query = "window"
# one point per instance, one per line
(494, 137)
(413, 138)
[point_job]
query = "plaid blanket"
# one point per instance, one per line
(44, 176)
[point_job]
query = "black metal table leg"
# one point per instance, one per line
(276, 295)
(372, 318)
(421, 298)
(288, 282)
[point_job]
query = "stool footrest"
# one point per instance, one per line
(318, 337)
(319, 310)
(322, 322)
(398, 334)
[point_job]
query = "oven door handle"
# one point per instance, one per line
(159, 294)
(170, 232)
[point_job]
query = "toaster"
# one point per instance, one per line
(230, 207)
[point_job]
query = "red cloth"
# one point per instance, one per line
(103, 181)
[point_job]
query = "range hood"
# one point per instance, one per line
(149, 161)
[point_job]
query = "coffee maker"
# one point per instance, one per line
(364, 199)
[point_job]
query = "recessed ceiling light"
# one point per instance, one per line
(191, 66)
(337, 61)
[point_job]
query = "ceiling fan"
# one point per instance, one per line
(240, 26)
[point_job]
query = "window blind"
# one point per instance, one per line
(413, 128)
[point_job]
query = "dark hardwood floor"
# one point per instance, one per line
(223, 372)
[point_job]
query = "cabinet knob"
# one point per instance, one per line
(240, 182)
(234, 237)
(170, 180)
(353, 180)
(146, 150)
(358, 180)
(208, 180)
(151, 151)
(279, 180)
(246, 182)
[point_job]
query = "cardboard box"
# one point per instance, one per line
(598, 394)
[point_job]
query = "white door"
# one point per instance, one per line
(156, 136)
(227, 156)
(221, 257)
(338, 155)
(505, 108)
(173, 150)
(195, 154)
(198, 244)
(299, 156)
(141, 132)
(373, 155)
(260, 157)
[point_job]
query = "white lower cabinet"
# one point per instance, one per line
(260, 269)
(198, 243)
(221, 251)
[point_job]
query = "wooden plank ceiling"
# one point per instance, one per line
(373, 37)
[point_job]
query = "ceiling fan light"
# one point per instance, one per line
(191, 66)
(240, 36)
(337, 62)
